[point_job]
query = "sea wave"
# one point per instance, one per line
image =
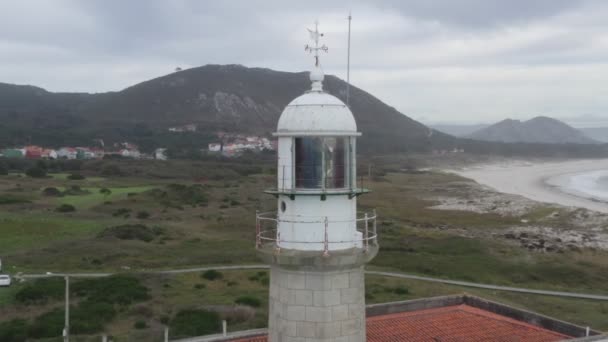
(592, 184)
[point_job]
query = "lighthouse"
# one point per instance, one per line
(316, 242)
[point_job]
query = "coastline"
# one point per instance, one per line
(530, 180)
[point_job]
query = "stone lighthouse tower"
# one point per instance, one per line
(317, 243)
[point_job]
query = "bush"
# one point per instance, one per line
(249, 301)
(212, 275)
(200, 286)
(14, 330)
(116, 289)
(75, 190)
(132, 232)
(105, 191)
(122, 212)
(140, 325)
(189, 323)
(52, 192)
(41, 290)
(90, 317)
(3, 169)
(143, 215)
(49, 324)
(11, 199)
(65, 208)
(401, 290)
(36, 172)
(76, 176)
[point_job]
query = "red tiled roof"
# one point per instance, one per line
(450, 323)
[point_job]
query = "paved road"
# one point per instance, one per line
(386, 274)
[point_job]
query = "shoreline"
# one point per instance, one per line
(530, 180)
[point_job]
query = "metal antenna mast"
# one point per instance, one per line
(315, 35)
(350, 17)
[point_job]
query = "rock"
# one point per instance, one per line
(510, 236)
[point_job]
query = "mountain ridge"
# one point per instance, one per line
(217, 97)
(540, 129)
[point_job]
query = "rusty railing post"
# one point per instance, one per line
(258, 241)
(366, 232)
(326, 242)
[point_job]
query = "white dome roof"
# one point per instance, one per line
(316, 113)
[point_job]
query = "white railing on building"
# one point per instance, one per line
(267, 232)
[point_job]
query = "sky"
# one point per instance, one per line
(437, 61)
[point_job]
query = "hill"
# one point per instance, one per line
(214, 97)
(458, 130)
(597, 133)
(540, 129)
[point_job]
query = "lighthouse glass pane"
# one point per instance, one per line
(334, 168)
(309, 162)
(321, 162)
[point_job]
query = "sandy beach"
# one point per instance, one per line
(529, 180)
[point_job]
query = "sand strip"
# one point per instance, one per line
(528, 180)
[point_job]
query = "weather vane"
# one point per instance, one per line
(314, 36)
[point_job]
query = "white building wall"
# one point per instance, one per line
(285, 163)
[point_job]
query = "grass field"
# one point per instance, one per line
(204, 214)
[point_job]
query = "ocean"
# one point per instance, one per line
(592, 184)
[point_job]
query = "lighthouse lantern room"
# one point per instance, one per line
(316, 242)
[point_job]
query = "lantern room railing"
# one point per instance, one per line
(268, 234)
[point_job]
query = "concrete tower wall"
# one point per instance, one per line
(306, 306)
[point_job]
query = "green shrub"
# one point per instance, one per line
(52, 192)
(132, 232)
(200, 286)
(249, 301)
(12, 199)
(49, 324)
(3, 169)
(36, 172)
(65, 208)
(14, 330)
(143, 215)
(212, 275)
(90, 317)
(76, 176)
(116, 289)
(192, 322)
(164, 319)
(121, 212)
(105, 191)
(75, 190)
(401, 290)
(140, 325)
(41, 290)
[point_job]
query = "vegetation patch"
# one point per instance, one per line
(40, 291)
(132, 232)
(212, 275)
(254, 302)
(6, 199)
(65, 208)
(52, 192)
(76, 176)
(116, 289)
(192, 322)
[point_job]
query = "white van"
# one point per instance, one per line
(5, 280)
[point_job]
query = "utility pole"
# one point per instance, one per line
(350, 17)
(66, 329)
